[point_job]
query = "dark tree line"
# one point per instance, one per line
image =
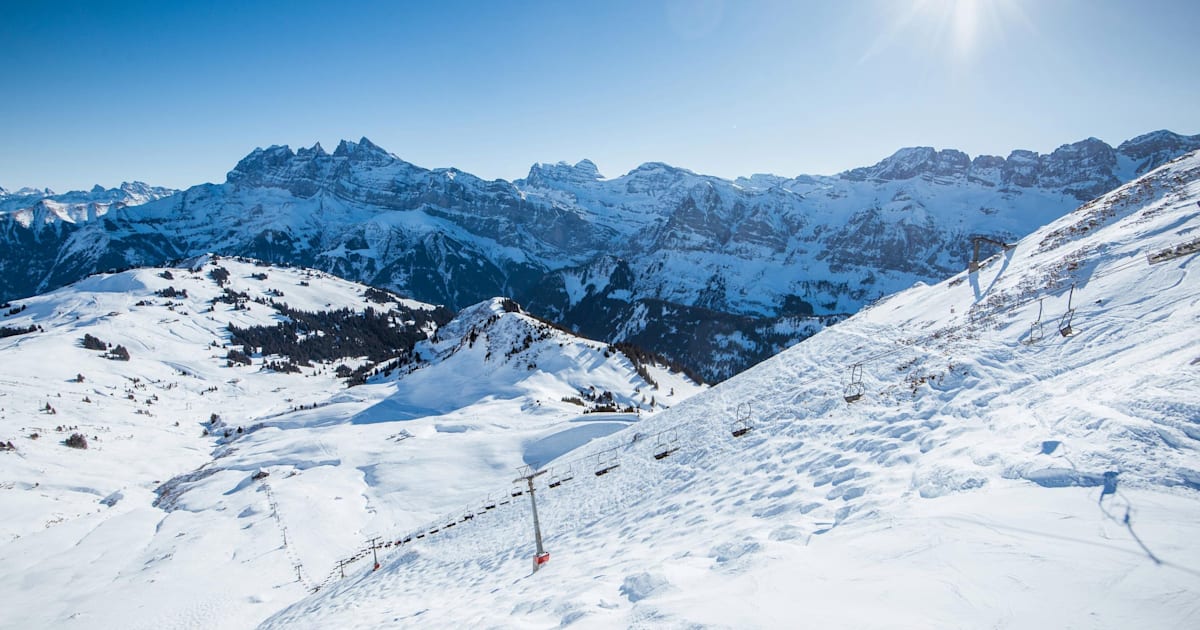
(642, 357)
(220, 275)
(11, 331)
(331, 335)
(171, 292)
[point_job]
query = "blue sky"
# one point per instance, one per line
(174, 93)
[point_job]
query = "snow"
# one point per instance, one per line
(158, 525)
(966, 488)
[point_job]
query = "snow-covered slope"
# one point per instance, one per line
(994, 472)
(164, 519)
(717, 274)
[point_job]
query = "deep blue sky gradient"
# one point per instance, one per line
(174, 93)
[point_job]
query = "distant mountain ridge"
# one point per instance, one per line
(715, 273)
(75, 205)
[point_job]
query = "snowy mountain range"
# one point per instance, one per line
(1016, 448)
(1012, 447)
(717, 274)
(30, 206)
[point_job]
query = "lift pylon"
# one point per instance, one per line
(974, 265)
(541, 556)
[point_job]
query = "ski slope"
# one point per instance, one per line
(970, 486)
(213, 494)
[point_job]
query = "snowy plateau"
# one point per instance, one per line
(1014, 446)
(716, 274)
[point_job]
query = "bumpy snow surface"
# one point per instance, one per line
(970, 486)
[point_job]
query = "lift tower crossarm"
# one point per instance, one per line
(976, 241)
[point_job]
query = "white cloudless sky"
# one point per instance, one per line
(175, 93)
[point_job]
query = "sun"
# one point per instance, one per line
(955, 30)
(963, 18)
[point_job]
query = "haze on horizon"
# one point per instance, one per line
(174, 94)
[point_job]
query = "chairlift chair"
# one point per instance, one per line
(1064, 324)
(558, 477)
(741, 422)
(606, 461)
(666, 443)
(854, 389)
(489, 503)
(1035, 329)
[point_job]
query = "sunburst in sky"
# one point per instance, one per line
(955, 31)
(174, 93)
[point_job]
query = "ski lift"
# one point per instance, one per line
(666, 443)
(855, 388)
(1035, 329)
(741, 422)
(1064, 324)
(489, 503)
(975, 264)
(558, 476)
(606, 461)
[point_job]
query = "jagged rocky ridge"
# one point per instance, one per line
(717, 274)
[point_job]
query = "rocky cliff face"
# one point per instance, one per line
(717, 274)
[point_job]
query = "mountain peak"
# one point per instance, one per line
(260, 161)
(1151, 150)
(582, 172)
(363, 150)
(315, 151)
(911, 162)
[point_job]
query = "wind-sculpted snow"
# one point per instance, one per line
(737, 270)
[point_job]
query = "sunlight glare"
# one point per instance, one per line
(954, 30)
